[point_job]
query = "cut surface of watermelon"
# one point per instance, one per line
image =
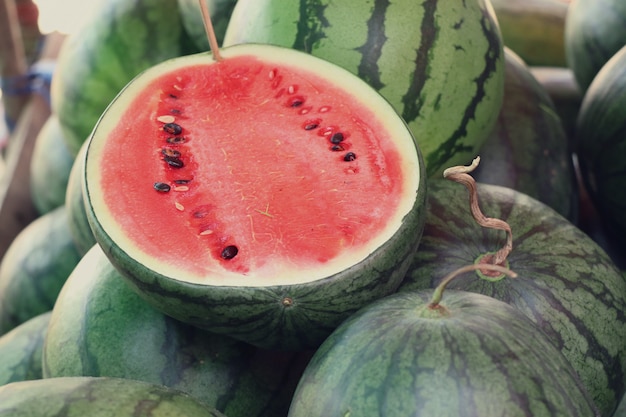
(241, 171)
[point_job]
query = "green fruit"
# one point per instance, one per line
(528, 149)
(21, 350)
(470, 355)
(34, 268)
(601, 143)
(440, 64)
(594, 32)
(566, 283)
(97, 397)
(117, 41)
(252, 190)
(100, 327)
(50, 166)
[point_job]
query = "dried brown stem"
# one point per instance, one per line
(461, 175)
(210, 32)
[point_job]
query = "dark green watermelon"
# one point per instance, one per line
(470, 355)
(100, 327)
(528, 149)
(21, 350)
(566, 283)
(50, 166)
(600, 143)
(114, 43)
(594, 31)
(440, 64)
(97, 397)
(35, 267)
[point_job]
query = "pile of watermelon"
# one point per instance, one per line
(313, 208)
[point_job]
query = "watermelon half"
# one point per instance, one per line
(266, 195)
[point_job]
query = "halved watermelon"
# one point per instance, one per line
(266, 195)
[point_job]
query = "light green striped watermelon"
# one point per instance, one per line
(566, 283)
(35, 267)
(594, 31)
(115, 42)
(50, 166)
(21, 350)
(266, 196)
(97, 397)
(99, 327)
(470, 355)
(439, 63)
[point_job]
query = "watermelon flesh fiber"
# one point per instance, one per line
(255, 198)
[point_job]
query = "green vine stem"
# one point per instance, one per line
(438, 293)
(461, 175)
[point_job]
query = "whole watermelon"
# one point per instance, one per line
(529, 150)
(118, 40)
(35, 267)
(99, 327)
(600, 143)
(594, 32)
(439, 63)
(468, 355)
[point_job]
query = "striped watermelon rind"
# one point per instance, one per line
(566, 283)
(440, 64)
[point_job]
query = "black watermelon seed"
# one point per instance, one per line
(176, 140)
(172, 153)
(350, 156)
(173, 95)
(174, 162)
(181, 181)
(229, 252)
(173, 128)
(336, 148)
(337, 138)
(161, 187)
(311, 126)
(295, 102)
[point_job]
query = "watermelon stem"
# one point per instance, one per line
(461, 175)
(210, 32)
(438, 294)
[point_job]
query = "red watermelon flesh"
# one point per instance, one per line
(244, 169)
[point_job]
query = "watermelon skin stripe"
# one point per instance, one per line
(441, 67)
(566, 283)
